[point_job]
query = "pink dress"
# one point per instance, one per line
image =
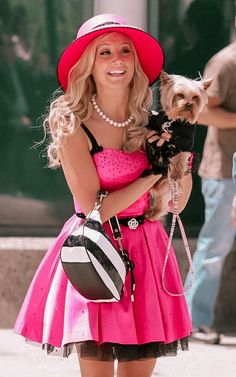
(56, 315)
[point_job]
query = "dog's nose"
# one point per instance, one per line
(188, 106)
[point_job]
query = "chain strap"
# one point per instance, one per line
(101, 196)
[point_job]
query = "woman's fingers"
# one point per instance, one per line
(152, 133)
(161, 142)
(153, 136)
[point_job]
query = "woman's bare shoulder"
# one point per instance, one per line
(77, 140)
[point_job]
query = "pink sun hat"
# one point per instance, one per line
(148, 49)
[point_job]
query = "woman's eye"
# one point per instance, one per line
(105, 52)
(126, 50)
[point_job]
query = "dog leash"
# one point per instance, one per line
(174, 192)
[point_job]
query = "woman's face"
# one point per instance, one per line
(114, 62)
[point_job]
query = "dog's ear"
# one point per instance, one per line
(206, 83)
(165, 78)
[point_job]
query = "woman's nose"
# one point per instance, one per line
(117, 58)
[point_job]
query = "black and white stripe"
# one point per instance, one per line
(92, 264)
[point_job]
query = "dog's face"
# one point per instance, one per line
(183, 98)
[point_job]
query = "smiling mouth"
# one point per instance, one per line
(116, 72)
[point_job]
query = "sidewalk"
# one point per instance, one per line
(18, 359)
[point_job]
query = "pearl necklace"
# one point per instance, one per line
(107, 119)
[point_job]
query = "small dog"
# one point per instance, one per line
(182, 100)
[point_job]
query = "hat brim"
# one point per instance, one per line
(148, 49)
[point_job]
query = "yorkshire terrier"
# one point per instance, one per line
(182, 100)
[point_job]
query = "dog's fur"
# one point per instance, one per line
(182, 100)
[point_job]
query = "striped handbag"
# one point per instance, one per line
(96, 269)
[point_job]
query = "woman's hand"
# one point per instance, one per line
(153, 136)
(157, 159)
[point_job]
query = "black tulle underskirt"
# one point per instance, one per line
(128, 352)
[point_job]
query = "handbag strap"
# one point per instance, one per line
(113, 221)
(102, 194)
(117, 235)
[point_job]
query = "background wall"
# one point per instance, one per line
(34, 200)
(135, 12)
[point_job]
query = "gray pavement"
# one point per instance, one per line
(18, 359)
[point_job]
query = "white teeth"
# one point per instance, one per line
(116, 72)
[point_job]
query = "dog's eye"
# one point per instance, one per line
(195, 99)
(180, 96)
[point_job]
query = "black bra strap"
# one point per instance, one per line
(95, 147)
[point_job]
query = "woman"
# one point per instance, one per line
(98, 130)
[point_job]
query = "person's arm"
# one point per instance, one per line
(83, 181)
(233, 211)
(215, 116)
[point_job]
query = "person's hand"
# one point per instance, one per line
(233, 211)
(180, 134)
(153, 137)
(156, 143)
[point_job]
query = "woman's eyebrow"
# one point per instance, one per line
(107, 44)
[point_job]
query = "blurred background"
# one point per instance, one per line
(34, 200)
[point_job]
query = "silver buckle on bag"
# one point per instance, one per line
(133, 223)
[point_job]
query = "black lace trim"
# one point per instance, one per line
(122, 352)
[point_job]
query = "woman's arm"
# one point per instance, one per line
(83, 181)
(121, 199)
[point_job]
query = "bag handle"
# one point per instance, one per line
(102, 194)
(113, 221)
(117, 235)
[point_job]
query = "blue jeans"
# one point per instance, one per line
(214, 243)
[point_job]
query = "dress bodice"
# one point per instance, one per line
(117, 169)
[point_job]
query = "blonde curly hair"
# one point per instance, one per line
(68, 110)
